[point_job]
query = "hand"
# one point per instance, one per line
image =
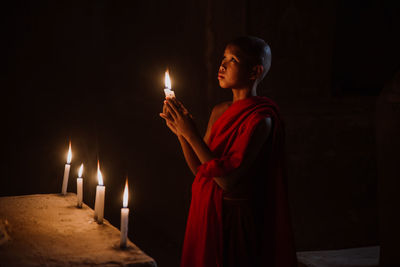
(179, 118)
(167, 117)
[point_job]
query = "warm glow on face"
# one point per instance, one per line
(80, 171)
(69, 157)
(125, 202)
(167, 80)
(99, 176)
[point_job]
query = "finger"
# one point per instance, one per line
(178, 104)
(165, 117)
(169, 111)
(164, 108)
(175, 101)
(172, 110)
(171, 126)
(182, 107)
(185, 111)
(173, 107)
(165, 111)
(171, 114)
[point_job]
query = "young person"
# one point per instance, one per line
(239, 213)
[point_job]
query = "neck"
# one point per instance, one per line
(243, 93)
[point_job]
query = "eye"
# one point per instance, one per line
(233, 59)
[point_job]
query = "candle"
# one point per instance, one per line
(168, 89)
(79, 185)
(124, 217)
(100, 194)
(66, 171)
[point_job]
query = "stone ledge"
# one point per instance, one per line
(352, 257)
(49, 229)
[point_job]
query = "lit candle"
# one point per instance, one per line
(66, 171)
(79, 186)
(124, 217)
(99, 202)
(168, 88)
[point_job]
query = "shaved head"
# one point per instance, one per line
(256, 50)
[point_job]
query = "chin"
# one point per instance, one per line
(223, 85)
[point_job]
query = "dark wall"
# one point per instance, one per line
(330, 60)
(92, 72)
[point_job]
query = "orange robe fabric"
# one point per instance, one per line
(209, 229)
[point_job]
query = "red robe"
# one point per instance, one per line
(272, 243)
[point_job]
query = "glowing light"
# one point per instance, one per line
(99, 176)
(69, 156)
(80, 171)
(125, 201)
(167, 80)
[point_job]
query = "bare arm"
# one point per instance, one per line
(198, 145)
(258, 138)
(185, 127)
(190, 156)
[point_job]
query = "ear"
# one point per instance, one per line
(256, 72)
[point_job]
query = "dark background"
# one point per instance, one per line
(92, 72)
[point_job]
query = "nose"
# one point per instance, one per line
(222, 67)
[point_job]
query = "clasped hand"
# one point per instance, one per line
(178, 118)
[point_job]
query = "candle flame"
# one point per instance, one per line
(80, 171)
(167, 80)
(99, 176)
(69, 156)
(125, 202)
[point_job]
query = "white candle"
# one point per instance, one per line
(124, 217)
(66, 171)
(100, 195)
(99, 204)
(79, 187)
(168, 88)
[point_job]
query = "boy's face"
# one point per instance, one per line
(234, 71)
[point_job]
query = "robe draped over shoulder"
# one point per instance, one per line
(230, 135)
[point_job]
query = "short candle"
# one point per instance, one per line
(100, 195)
(168, 88)
(66, 171)
(79, 187)
(124, 217)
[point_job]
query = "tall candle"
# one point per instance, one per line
(100, 195)
(79, 187)
(124, 217)
(66, 171)
(168, 88)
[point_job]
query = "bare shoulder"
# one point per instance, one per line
(219, 109)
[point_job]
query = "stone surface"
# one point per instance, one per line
(49, 229)
(353, 257)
